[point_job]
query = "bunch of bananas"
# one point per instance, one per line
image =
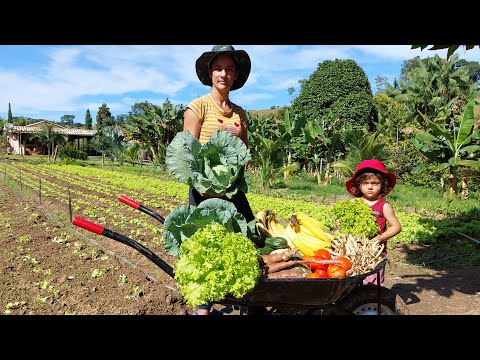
(307, 233)
(302, 231)
(267, 224)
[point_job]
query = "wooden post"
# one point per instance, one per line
(70, 206)
(40, 190)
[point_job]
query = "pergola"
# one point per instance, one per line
(17, 137)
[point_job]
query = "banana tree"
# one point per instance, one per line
(155, 127)
(323, 143)
(271, 159)
(360, 145)
(292, 128)
(450, 147)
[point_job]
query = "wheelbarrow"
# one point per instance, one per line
(308, 296)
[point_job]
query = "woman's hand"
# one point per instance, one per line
(233, 130)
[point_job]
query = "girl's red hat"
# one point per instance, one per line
(371, 164)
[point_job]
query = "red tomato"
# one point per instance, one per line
(323, 254)
(322, 272)
(313, 275)
(346, 264)
(335, 271)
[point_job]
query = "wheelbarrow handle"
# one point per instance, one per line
(100, 230)
(129, 202)
(142, 208)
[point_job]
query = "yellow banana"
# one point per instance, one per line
(262, 216)
(325, 237)
(305, 230)
(262, 229)
(294, 223)
(274, 227)
(289, 234)
(312, 242)
(297, 241)
(314, 226)
(301, 217)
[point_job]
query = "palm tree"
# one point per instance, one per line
(433, 84)
(48, 137)
(360, 145)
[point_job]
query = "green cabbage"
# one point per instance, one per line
(185, 220)
(216, 168)
(214, 263)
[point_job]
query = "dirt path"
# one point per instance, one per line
(439, 291)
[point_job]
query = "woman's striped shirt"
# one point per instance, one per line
(214, 118)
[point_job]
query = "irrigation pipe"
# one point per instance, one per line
(89, 239)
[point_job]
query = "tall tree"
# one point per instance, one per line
(409, 65)
(121, 119)
(110, 142)
(473, 69)
(67, 119)
(381, 82)
(104, 117)
(337, 90)
(154, 127)
(434, 84)
(88, 120)
(10, 117)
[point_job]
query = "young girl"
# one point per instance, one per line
(372, 182)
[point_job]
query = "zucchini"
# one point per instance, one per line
(276, 242)
(266, 250)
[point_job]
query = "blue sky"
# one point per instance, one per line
(47, 82)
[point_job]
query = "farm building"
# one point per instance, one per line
(18, 137)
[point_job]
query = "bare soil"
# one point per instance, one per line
(47, 267)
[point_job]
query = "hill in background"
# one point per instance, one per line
(277, 112)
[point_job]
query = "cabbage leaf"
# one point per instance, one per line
(216, 168)
(185, 220)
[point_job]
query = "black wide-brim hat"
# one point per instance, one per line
(241, 57)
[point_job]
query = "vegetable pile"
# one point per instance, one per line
(216, 168)
(365, 254)
(214, 263)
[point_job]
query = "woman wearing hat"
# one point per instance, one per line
(372, 182)
(224, 69)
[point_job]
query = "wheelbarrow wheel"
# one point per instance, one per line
(364, 301)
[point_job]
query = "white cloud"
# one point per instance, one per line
(68, 79)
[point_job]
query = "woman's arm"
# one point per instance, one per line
(244, 125)
(192, 123)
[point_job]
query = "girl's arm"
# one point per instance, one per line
(394, 225)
